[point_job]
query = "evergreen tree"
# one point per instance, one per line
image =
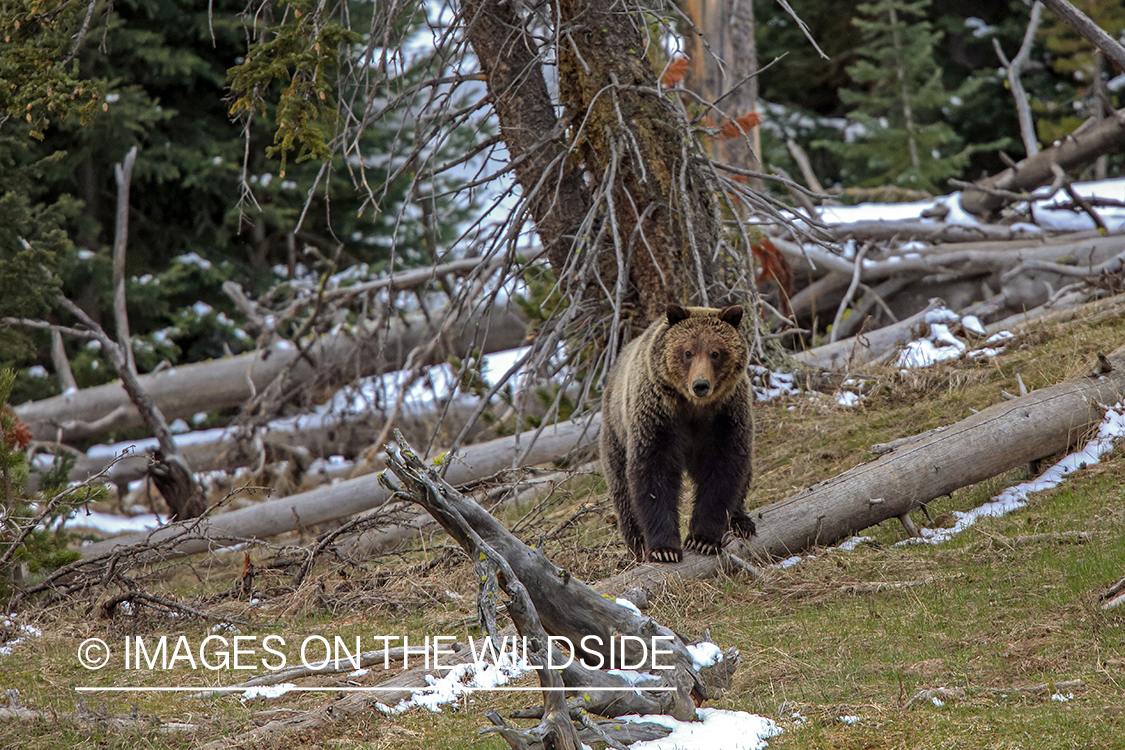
(898, 101)
(213, 197)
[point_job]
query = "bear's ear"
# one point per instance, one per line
(676, 314)
(732, 315)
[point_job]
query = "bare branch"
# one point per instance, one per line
(124, 174)
(1016, 67)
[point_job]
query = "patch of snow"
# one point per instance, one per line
(267, 691)
(848, 719)
(460, 680)
(202, 308)
(937, 701)
(777, 384)
(107, 523)
(789, 562)
(627, 604)
(358, 673)
(847, 398)
(1062, 698)
(1013, 498)
(37, 371)
(731, 730)
(852, 542)
(705, 654)
(25, 631)
(973, 325)
(194, 259)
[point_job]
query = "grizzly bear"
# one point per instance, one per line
(679, 398)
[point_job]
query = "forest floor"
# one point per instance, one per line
(995, 639)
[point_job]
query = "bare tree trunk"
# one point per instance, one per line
(645, 203)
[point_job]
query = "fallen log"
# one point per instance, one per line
(1073, 152)
(999, 438)
(229, 382)
(851, 353)
(929, 231)
(333, 502)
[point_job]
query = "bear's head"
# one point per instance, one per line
(704, 355)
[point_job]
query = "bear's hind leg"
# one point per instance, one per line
(617, 483)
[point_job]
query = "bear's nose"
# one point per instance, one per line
(701, 388)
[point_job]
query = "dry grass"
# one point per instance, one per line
(863, 633)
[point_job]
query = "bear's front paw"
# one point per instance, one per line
(741, 525)
(702, 546)
(666, 555)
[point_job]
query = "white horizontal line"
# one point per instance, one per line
(375, 689)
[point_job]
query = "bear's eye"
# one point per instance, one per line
(687, 354)
(715, 355)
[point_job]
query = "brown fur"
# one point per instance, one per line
(679, 398)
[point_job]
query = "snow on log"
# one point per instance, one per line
(332, 502)
(228, 382)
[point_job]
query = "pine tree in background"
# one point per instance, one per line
(210, 201)
(898, 99)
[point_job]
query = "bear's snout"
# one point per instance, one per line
(701, 388)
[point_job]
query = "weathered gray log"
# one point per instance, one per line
(228, 382)
(566, 607)
(332, 502)
(999, 438)
(1073, 152)
(929, 231)
(853, 352)
(317, 436)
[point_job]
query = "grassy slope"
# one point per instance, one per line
(980, 614)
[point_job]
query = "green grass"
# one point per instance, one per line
(980, 616)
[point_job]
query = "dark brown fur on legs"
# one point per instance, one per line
(679, 399)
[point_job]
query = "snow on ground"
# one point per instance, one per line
(1111, 428)
(940, 344)
(898, 211)
(25, 632)
(1047, 214)
(730, 730)
(462, 679)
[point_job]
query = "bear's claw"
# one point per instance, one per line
(741, 525)
(665, 555)
(702, 546)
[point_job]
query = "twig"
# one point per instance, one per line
(848, 295)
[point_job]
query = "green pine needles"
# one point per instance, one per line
(897, 100)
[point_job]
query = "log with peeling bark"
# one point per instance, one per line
(228, 382)
(1074, 151)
